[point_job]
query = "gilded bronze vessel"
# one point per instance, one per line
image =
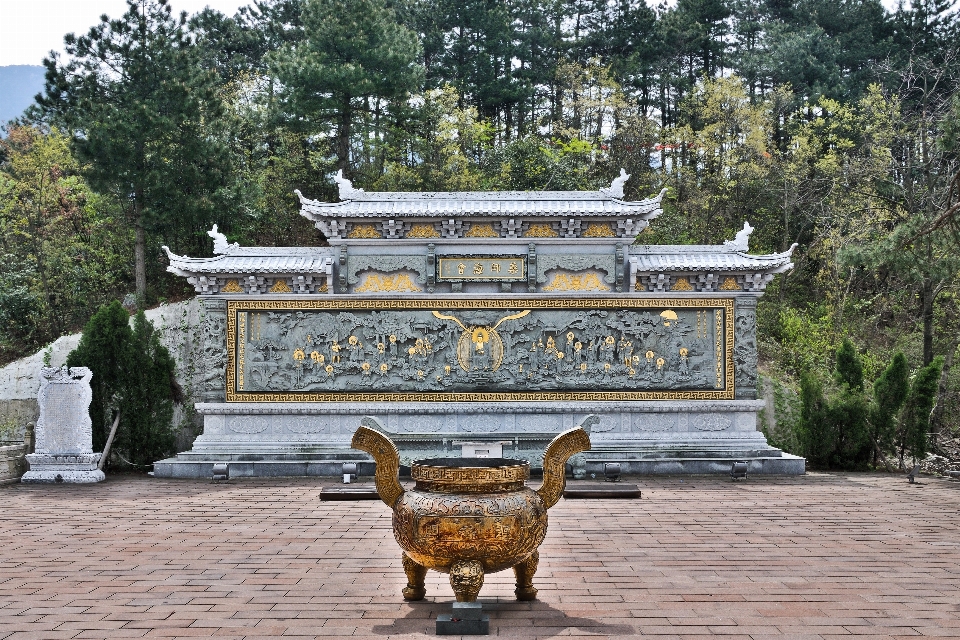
(469, 516)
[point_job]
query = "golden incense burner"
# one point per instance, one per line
(470, 516)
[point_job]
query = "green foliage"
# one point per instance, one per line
(104, 349)
(355, 57)
(147, 121)
(147, 408)
(817, 435)
(59, 242)
(835, 427)
(849, 369)
(889, 393)
(133, 376)
(915, 420)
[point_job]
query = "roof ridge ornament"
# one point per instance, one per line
(347, 192)
(741, 242)
(220, 244)
(615, 190)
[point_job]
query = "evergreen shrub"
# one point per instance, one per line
(133, 374)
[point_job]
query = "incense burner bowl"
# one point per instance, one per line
(469, 516)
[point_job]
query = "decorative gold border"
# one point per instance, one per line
(429, 304)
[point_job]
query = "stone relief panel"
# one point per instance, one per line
(604, 263)
(213, 345)
(386, 264)
(745, 351)
(475, 349)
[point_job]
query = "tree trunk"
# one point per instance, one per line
(343, 136)
(936, 415)
(140, 255)
(106, 448)
(928, 294)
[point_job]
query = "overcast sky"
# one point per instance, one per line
(31, 28)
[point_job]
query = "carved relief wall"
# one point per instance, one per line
(477, 349)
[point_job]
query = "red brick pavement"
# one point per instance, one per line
(819, 556)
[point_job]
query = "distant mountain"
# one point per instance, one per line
(18, 85)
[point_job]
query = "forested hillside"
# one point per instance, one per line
(831, 123)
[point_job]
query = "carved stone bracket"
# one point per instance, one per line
(451, 228)
(570, 227)
(333, 229)
(431, 267)
(386, 264)
(511, 228)
(394, 228)
(575, 263)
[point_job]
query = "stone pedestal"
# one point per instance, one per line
(660, 437)
(64, 432)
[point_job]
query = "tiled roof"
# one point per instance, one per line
(252, 260)
(481, 203)
(656, 259)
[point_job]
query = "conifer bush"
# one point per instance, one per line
(133, 374)
(842, 428)
(889, 393)
(915, 419)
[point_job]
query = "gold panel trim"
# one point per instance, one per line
(599, 230)
(232, 286)
(364, 231)
(682, 284)
(586, 282)
(238, 308)
(281, 287)
(377, 283)
(423, 230)
(542, 230)
(729, 284)
(481, 231)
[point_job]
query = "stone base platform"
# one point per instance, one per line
(313, 439)
(70, 468)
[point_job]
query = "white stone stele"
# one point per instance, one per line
(64, 432)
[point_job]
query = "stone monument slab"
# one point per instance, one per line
(64, 432)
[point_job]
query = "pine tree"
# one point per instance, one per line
(817, 436)
(143, 114)
(354, 53)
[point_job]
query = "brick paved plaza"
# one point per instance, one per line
(819, 556)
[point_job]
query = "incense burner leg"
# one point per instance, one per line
(416, 574)
(524, 572)
(466, 578)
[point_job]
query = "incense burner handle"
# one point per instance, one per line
(560, 450)
(369, 437)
